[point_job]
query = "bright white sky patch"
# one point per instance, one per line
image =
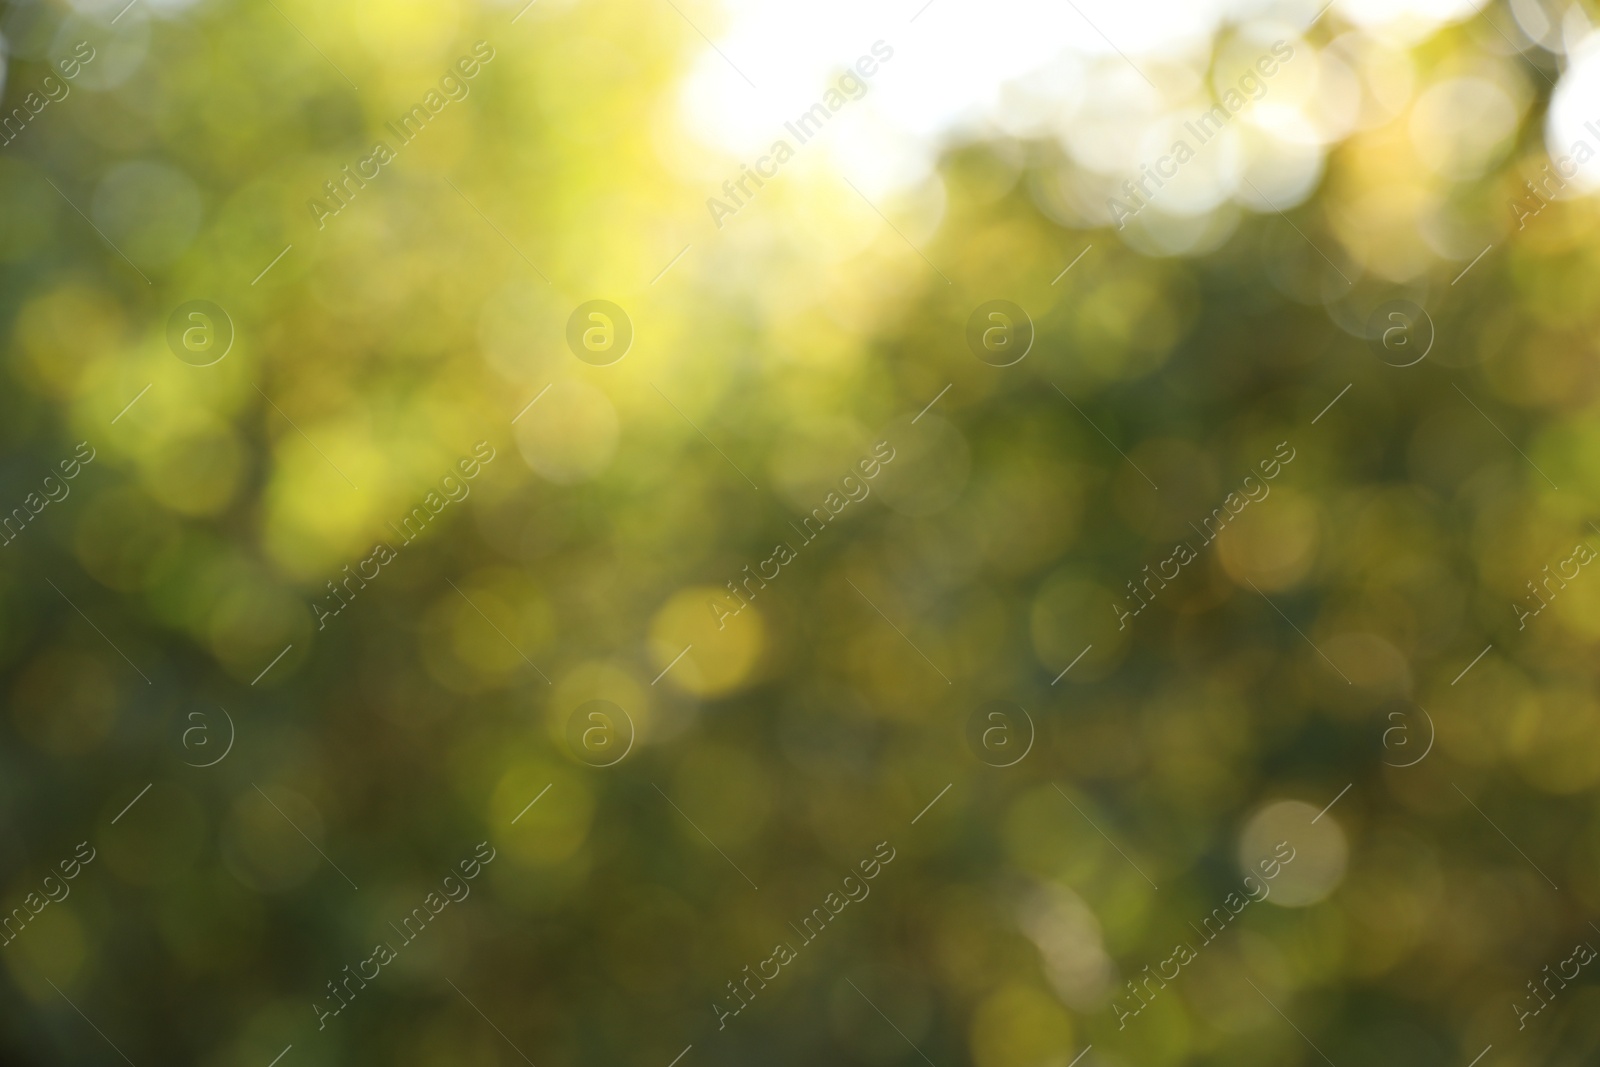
(1575, 105)
(1108, 79)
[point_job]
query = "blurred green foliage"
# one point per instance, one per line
(156, 625)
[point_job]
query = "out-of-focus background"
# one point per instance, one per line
(649, 533)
